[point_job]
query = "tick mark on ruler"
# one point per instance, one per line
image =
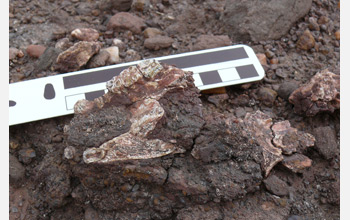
(12, 103)
(49, 91)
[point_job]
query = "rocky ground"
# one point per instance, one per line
(264, 150)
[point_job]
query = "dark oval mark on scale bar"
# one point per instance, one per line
(12, 103)
(49, 91)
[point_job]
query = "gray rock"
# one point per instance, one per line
(26, 155)
(125, 20)
(326, 143)
(99, 59)
(158, 42)
(267, 96)
(262, 20)
(16, 170)
(211, 41)
(46, 59)
(120, 5)
(286, 89)
(276, 186)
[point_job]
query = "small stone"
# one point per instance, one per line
(313, 24)
(76, 56)
(281, 73)
(269, 54)
(158, 42)
(297, 162)
(286, 89)
(16, 170)
(85, 34)
(119, 43)
(152, 32)
(69, 152)
(337, 35)
(91, 214)
(26, 155)
(211, 41)
(267, 96)
(276, 186)
(132, 55)
(140, 5)
(323, 20)
(113, 54)
(274, 61)
(306, 41)
(326, 143)
(295, 217)
(262, 58)
(218, 99)
(99, 60)
(125, 20)
(321, 94)
(240, 112)
(14, 52)
(35, 50)
(63, 44)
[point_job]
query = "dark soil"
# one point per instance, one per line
(45, 185)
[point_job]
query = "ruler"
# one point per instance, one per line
(55, 96)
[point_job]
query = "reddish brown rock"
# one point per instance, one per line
(35, 50)
(259, 125)
(289, 139)
(321, 94)
(76, 56)
(211, 41)
(267, 96)
(85, 34)
(152, 32)
(326, 142)
(337, 35)
(306, 41)
(158, 42)
(276, 186)
(262, 58)
(125, 20)
(297, 162)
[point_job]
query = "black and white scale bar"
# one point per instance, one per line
(56, 95)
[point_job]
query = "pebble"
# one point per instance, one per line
(152, 32)
(326, 143)
(69, 152)
(119, 43)
(267, 96)
(262, 58)
(313, 24)
(297, 162)
(323, 20)
(132, 55)
(125, 20)
(240, 112)
(295, 217)
(99, 60)
(14, 52)
(76, 56)
(211, 41)
(91, 214)
(337, 35)
(269, 54)
(306, 41)
(218, 100)
(158, 42)
(35, 50)
(85, 34)
(286, 89)
(16, 169)
(113, 54)
(140, 5)
(63, 44)
(26, 155)
(274, 61)
(276, 186)
(281, 73)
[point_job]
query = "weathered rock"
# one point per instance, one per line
(85, 34)
(326, 143)
(46, 59)
(286, 88)
(289, 139)
(321, 94)
(35, 50)
(91, 214)
(262, 58)
(119, 43)
(158, 42)
(63, 44)
(306, 41)
(267, 96)
(120, 5)
(16, 171)
(99, 59)
(211, 41)
(337, 35)
(76, 56)
(259, 126)
(218, 99)
(113, 54)
(208, 211)
(276, 186)
(124, 20)
(262, 20)
(14, 52)
(313, 24)
(140, 5)
(69, 152)
(297, 162)
(136, 137)
(152, 32)
(26, 155)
